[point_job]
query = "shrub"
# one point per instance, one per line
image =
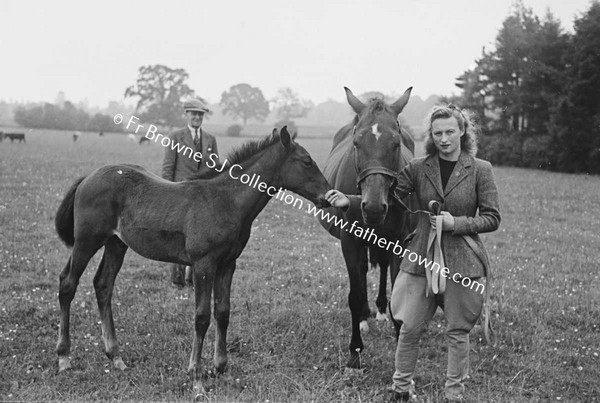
(234, 130)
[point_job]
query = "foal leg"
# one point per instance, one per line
(221, 312)
(204, 276)
(69, 280)
(104, 282)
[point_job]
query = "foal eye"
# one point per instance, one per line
(307, 163)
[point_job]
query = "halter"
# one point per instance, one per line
(370, 170)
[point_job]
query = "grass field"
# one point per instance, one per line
(290, 324)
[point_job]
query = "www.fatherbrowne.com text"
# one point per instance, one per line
(235, 172)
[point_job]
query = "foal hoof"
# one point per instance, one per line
(119, 364)
(364, 327)
(382, 317)
(64, 363)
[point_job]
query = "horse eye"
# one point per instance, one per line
(307, 163)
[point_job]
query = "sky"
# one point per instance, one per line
(92, 50)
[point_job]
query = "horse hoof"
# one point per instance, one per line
(119, 364)
(364, 327)
(382, 317)
(64, 363)
(220, 368)
(199, 392)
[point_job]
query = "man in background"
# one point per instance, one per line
(177, 167)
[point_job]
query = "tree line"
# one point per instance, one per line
(160, 91)
(538, 93)
(66, 117)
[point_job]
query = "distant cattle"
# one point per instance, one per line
(75, 136)
(131, 137)
(143, 139)
(13, 136)
(101, 134)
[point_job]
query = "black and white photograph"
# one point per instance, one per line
(268, 201)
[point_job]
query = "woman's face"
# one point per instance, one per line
(446, 135)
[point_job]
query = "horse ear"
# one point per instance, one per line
(274, 131)
(354, 102)
(284, 137)
(401, 102)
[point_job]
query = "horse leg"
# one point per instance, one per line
(366, 310)
(382, 300)
(204, 276)
(221, 312)
(104, 282)
(69, 280)
(355, 256)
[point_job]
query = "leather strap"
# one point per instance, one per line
(435, 282)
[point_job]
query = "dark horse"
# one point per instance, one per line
(204, 223)
(365, 159)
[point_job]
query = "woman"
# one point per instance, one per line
(464, 187)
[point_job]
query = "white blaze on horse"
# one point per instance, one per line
(365, 159)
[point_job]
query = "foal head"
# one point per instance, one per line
(300, 173)
(377, 143)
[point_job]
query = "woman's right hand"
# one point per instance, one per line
(337, 198)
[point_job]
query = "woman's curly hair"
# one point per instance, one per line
(466, 124)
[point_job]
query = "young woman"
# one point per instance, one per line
(465, 189)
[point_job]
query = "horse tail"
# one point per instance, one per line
(64, 221)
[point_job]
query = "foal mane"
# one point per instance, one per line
(241, 154)
(248, 150)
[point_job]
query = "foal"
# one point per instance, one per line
(203, 223)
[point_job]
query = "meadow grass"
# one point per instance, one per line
(290, 324)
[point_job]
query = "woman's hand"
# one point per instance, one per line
(337, 198)
(447, 222)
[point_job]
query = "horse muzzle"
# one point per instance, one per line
(374, 213)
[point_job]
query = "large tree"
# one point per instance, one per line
(576, 129)
(245, 102)
(160, 91)
(289, 106)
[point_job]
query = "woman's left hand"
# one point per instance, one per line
(447, 222)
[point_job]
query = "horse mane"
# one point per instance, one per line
(241, 154)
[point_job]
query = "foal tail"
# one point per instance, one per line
(64, 221)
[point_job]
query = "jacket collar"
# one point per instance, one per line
(460, 172)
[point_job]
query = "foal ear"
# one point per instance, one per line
(285, 138)
(401, 102)
(355, 103)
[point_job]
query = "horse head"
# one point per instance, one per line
(300, 173)
(377, 143)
